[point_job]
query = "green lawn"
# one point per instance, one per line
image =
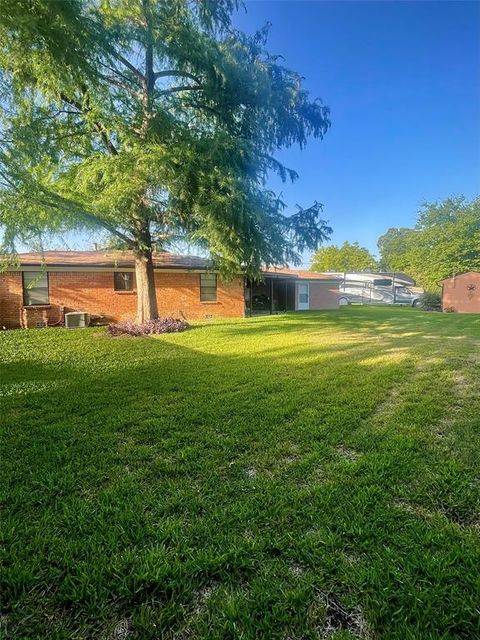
(301, 476)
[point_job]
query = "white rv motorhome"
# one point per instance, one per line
(378, 288)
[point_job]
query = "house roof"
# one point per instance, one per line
(161, 260)
(300, 274)
(108, 259)
(459, 275)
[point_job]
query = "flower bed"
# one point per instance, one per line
(152, 327)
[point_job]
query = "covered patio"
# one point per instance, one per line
(273, 294)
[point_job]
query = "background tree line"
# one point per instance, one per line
(444, 241)
(347, 257)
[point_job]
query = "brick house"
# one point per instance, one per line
(40, 288)
(462, 293)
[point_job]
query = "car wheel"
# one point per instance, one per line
(415, 303)
(343, 301)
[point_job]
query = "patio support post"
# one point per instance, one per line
(271, 296)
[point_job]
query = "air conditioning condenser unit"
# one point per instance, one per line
(77, 320)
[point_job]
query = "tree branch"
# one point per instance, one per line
(60, 204)
(149, 83)
(96, 125)
(108, 144)
(117, 72)
(122, 85)
(174, 73)
(185, 87)
(139, 75)
(8, 180)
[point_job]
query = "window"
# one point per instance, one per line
(35, 288)
(208, 287)
(303, 293)
(123, 281)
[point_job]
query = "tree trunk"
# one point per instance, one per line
(146, 294)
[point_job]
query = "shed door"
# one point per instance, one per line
(303, 296)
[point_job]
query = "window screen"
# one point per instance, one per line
(35, 288)
(208, 287)
(124, 281)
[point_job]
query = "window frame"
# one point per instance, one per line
(134, 284)
(26, 289)
(213, 288)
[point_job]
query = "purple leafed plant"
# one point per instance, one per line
(152, 327)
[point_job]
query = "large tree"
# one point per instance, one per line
(347, 257)
(152, 120)
(445, 241)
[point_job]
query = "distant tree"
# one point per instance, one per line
(347, 257)
(445, 241)
(392, 247)
(152, 120)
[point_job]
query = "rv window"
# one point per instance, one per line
(385, 282)
(35, 288)
(123, 280)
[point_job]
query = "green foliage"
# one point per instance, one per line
(445, 241)
(348, 257)
(392, 246)
(267, 478)
(431, 301)
(151, 119)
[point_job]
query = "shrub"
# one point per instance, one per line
(431, 301)
(152, 327)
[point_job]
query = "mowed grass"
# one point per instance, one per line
(303, 476)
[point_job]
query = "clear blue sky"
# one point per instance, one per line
(402, 80)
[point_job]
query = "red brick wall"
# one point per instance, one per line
(90, 291)
(178, 295)
(462, 293)
(11, 299)
(323, 295)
